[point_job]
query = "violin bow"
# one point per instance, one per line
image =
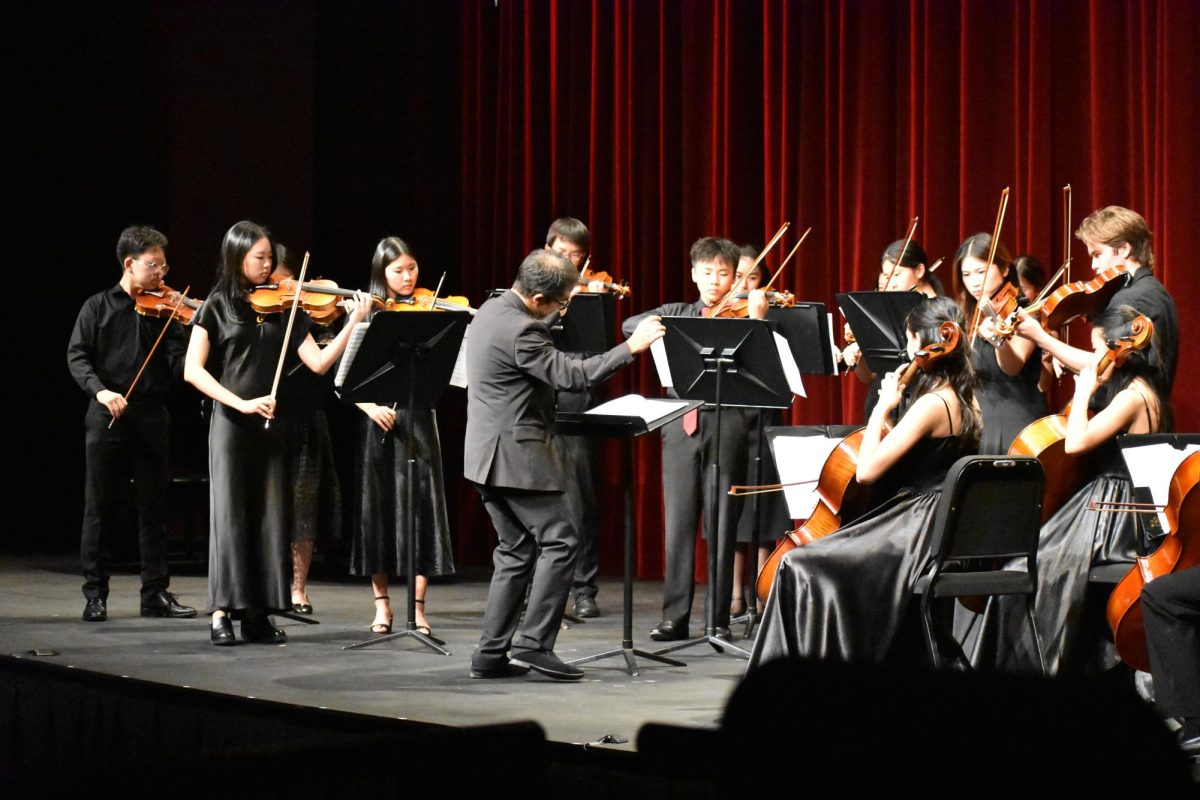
(908, 237)
(937, 264)
(154, 347)
(287, 334)
(738, 283)
(436, 292)
(803, 236)
(1066, 268)
(991, 256)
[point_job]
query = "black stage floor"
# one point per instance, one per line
(40, 604)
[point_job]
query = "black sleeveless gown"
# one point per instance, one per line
(1007, 403)
(845, 596)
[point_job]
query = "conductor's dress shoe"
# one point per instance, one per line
(95, 610)
(504, 669)
(165, 604)
(669, 631)
(548, 664)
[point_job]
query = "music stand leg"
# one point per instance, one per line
(410, 559)
(714, 505)
(627, 650)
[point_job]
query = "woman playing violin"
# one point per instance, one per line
(1119, 238)
(379, 523)
(1122, 399)
(844, 596)
(898, 272)
(232, 357)
(771, 518)
(1007, 370)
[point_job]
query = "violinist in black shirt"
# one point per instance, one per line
(107, 348)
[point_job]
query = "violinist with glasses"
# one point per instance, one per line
(127, 426)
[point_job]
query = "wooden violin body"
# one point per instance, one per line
(424, 300)
(163, 301)
(620, 289)
(319, 298)
(1081, 298)
(1178, 551)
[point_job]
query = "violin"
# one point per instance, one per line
(588, 275)
(840, 495)
(1081, 298)
(165, 301)
(426, 300)
(319, 298)
(1045, 438)
(1178, 551)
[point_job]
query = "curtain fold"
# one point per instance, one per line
(658, 123)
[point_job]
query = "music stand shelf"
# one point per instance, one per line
(626, 428)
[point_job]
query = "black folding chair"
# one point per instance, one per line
(987, 522)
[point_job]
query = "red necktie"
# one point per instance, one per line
(691, 421)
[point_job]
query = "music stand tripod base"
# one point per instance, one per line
(432, 642)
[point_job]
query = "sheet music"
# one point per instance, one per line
(800, 458)
(458, 377)
(356, 337)
(790, 370)
(1152, 466)
(659, 351)
(634, 405)
(833, 348)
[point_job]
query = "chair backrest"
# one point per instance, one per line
(991, 507)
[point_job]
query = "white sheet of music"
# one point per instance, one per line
(659, 351)
(356, 337)
(458, 376)
(800, 458)
(791, 370)
(634, 405)
(1152, 466)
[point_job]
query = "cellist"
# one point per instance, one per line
(1123, 399)
(1118, 237)
(844, 596)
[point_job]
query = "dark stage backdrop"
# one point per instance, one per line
(658, 123)
(466, 127)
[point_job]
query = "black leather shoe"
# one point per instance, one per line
(548, 664)
(260, 630)
(669, 631)
(302, 608)
(586, 608)
(222, 632)
(505, 669)
(165, 604)
(95, 610)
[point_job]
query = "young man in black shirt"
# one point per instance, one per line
(108, 345)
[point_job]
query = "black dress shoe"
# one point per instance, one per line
(259, 630)
(548, 664)
(505, 669)
(222, 632)
(669, 631)
(95, 610)
(586, 608)
(165, 604)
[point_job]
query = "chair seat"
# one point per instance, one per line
(952, 584)
(1109, 573)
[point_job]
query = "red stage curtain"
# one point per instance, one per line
(660, 123)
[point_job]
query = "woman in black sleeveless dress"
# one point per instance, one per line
(845, 596)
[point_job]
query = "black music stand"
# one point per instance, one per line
(702, 355)
(384, 368)
(626, 428)
(877, 319)
(588, 328)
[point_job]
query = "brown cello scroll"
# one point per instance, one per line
(1178, 551)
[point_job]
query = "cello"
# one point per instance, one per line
(839, 494)
(1178, 551)
(1045, 438)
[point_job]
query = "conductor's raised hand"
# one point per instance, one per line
(647, 332)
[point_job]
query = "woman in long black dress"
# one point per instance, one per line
(380, 525)
(1078, 537)
(845, 596)
(1008, 370)
(232, 358)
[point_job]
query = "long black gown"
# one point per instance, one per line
(379, 522)
(251, 471)
(1007, 403)
(1075, 539)
(845, 596)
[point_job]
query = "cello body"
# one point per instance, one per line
(1045, 440)
(1178, 551)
